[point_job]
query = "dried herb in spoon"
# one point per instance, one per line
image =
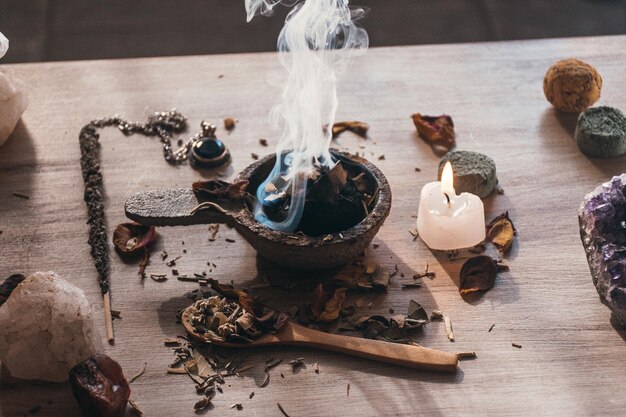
(479, 274)
(233, 316)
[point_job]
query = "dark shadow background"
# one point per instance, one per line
(53, 30)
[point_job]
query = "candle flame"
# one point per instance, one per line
(447, 179)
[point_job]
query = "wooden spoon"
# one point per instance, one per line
(295, 335)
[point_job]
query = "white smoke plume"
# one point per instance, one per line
(315, 46)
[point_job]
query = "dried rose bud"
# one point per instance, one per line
(131, 237)
(99, 386)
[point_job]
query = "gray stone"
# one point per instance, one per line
(601, 132)
(473, 172)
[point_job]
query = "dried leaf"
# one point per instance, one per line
(438, 131)
(479, 274)
(500, 232)
(416, 311)
(326, 304)
(448, 324)
(129, 238)
(359, 128)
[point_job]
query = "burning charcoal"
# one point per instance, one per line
(99, 386)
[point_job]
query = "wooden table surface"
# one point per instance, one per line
(572, 359)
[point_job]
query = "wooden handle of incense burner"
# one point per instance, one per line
(394, 353)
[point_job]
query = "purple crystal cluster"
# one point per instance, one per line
(602, 218)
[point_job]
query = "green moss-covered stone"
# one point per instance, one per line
(601, 132)
(473, 172)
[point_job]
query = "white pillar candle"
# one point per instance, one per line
(447, 221)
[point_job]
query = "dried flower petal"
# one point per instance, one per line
(436, 130)
(479, 274)
(129, 238)
(326, 304)
(501, 232)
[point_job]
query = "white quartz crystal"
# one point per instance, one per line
(13, 99)
(46, 327)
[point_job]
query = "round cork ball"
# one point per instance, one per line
(473, 172)
(601, 132)
(572, 85)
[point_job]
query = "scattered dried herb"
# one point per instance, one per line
(359, 128)
(251, 395)
(214, 228)
(316, 368)
(230, 240)
(436, 315)
(272, 362)
(99, 386)
(479, 274)
(364, 276)
(448, 324)
(21, 195)
(233, 316)
(266, 380)
(229, 123)
(138, 374)
(282, 410)
(348, 390)
(466, 355)
(326, 304)
(296, 364)
(254, 156)
(172, 262)
(395, 329)
(491, 328)
(218, 189)
(501, 232)
(238, 406)
(202, 404)
(263, 142)
(9, 284)
(516, 345)
(437, 131)
(158, 277)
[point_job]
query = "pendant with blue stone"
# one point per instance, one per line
(208, 151)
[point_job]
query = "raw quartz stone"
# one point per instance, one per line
(13, 99)
(602, 218)
(47, 328)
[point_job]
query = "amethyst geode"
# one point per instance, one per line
(602, 218)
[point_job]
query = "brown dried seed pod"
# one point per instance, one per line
(572, 85)
(99, 386)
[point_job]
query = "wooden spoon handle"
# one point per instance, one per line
(394, 353)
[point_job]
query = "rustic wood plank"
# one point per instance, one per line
(570, 362)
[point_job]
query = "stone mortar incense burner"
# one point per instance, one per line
(602, 218)
(175, 207)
